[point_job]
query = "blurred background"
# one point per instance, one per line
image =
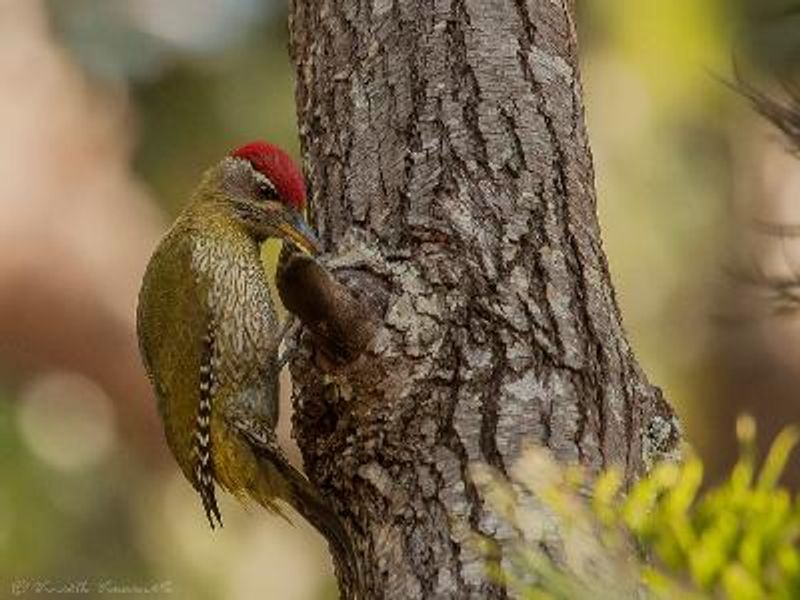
(109, 112)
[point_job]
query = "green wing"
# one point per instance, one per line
(172, 320)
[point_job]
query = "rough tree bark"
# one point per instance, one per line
(445, 146)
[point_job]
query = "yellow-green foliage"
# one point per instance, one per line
(666, 538)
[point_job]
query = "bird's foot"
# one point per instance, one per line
(288, 336)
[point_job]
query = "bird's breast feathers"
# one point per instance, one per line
(234, 287)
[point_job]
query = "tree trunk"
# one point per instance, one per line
(446, 149)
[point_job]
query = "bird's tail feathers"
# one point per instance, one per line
(278, 477)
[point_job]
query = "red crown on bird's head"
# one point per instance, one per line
(279, 168)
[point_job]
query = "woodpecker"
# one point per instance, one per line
(210, 338)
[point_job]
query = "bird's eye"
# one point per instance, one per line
(266, 191)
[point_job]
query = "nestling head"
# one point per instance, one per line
(268, 194)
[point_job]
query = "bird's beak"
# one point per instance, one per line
(294, 228)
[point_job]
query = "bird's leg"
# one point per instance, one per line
(290, 324)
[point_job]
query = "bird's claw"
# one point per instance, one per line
(288, 336)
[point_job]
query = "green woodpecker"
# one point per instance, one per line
(210, 338)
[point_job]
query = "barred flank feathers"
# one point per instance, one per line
(204, 471)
